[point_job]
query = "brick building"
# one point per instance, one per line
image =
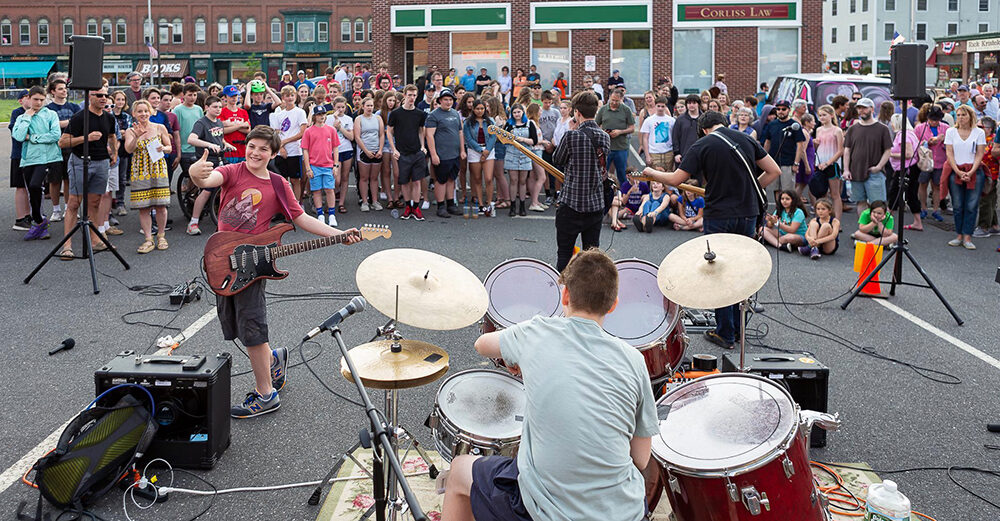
(690, 40)
(210, 41)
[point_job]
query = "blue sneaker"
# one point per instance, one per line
(937, 216)
(256, 405)
(923, 214)
(279, 362)
(38, 231)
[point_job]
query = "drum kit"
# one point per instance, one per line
(732, 446)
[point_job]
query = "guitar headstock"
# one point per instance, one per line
(638, 177)
(502, 135)
(374, 231)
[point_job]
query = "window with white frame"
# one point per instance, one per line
(67, 27)
(890, 5)
(852, 33)
(921, 5)
(6, 32)
(107, 30)
(147, 30)
(778, 53)
(953, 5)
(306, 32)
(223, 30)
(984, 6)
(289, 31)
(121, 31)
(984, 27)
(864, 32)
(91, 27)
(251, 30)
(833, 35)
(323, 32)
(199, 30)
(178, 31)
(693, 59)
(864, 6)
(237, 30)
(275, 30)
(359, 30)
(854, 6)
(163, 29)
(371, 37)
(921, 31)
(43, 32)
(345, 30)
(888, 31)
(833, 7)
(24, 32)
(952, 29)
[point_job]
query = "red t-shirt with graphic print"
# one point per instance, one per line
(247, 203)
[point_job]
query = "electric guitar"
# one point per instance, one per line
(233, 260)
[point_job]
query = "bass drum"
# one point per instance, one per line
(520, 289)
(734, 447)
(646, 319)
(478, 412)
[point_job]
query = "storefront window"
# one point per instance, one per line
(630, 54)
(550, 53)
(693, 60)
(489, 49)
(778, 53)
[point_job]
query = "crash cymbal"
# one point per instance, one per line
(740, 267)
(417, 363)
(435, 292)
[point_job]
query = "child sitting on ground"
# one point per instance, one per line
(787, 230)
(821, 237)
(654, 208)
(693, 206)
(875, 225)
(626, 203)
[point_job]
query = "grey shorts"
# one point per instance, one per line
(933, 175)
(786, 181)
(412, 167)
(244, 315)
(97, 176)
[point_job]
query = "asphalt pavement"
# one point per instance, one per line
(893, 417)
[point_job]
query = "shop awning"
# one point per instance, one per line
(167, 68)
(28, 69)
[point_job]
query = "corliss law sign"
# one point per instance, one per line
(736, 13)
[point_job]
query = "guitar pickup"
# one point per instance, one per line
(232, 261)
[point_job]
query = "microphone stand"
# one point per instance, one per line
(381, 447)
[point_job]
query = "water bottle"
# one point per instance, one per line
(395, 213)
(887, 503)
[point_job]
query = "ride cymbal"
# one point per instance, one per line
(739, 267)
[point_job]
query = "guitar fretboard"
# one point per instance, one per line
(312, 244)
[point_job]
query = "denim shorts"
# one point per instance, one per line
(871, 190)
(97, 176)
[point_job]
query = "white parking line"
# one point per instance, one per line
(14, 473)
(939, 333)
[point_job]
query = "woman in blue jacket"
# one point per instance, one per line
(481, 152)
(38, 129)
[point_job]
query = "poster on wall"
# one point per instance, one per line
(590, 63)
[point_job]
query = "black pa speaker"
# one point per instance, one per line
(908, 71)
(86, 62)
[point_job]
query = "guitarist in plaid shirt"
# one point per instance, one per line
(247, 203)
(581, 201)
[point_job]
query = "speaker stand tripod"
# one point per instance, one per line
(83, 224)
(901, 245)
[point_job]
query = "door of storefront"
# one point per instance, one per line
(222, 72)
(416, 58)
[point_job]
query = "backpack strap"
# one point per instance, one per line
(277, 183)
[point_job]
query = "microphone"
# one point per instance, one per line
(355, 305)
(793, 127)
(66, 345)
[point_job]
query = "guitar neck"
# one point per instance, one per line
(304, 246)
(553, 171)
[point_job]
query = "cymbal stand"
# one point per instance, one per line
(744, 304)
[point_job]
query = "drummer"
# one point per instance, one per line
(587, 425)
(731, 199)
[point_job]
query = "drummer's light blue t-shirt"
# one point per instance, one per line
(588, 395)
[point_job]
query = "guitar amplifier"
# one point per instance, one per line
(806, 379)
(191, 394)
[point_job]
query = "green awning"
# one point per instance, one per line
(29, 69)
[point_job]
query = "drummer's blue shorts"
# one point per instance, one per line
(495, 495)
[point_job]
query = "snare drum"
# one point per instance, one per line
(646, 319)
(733, 447)
(478, 412)
(520, 289)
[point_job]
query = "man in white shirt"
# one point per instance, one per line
(655, 138)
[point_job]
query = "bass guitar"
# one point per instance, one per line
(233, 260)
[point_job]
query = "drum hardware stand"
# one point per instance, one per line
(384, 451)
(84, 225)
(900, 247)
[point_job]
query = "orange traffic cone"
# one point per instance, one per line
(866, 258)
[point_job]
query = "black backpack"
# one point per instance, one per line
(96, 449)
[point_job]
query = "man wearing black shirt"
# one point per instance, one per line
(103, 150)
(786, 145)
(405, 132)
(731, 196)
(482, 81)
(533, 76)
(615, 80)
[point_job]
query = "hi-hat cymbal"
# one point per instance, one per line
(741, 267)
(416, 364)
(435, 292)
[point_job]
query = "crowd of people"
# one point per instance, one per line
(408, 147)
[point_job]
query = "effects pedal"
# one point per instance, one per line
(185, 293)
(698, 321)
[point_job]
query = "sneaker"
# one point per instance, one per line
(377, 206)
(23, 224)
(805, 250)
(193, 229)
(955, 242)
(407, 211)
(417, 214)
(331, 219)
(814, 254)
(121, 210)
(114, 230)
(714, 338)
(923, 214)
(548, 201)
(57, 215)
(279, 363)
(937, 216)
(968, 245)
(256, 405)
(383, 196)
(536, 208)
(787, 247)
(994, 231)
(365, 207)
(442, 211)
(37, 230)
(980, 233)
(454, 209)
(45, 232)
(113, 221)
(424, 205)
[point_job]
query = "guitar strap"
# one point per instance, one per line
(278, 185)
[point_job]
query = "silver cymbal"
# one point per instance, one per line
(739, 269)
